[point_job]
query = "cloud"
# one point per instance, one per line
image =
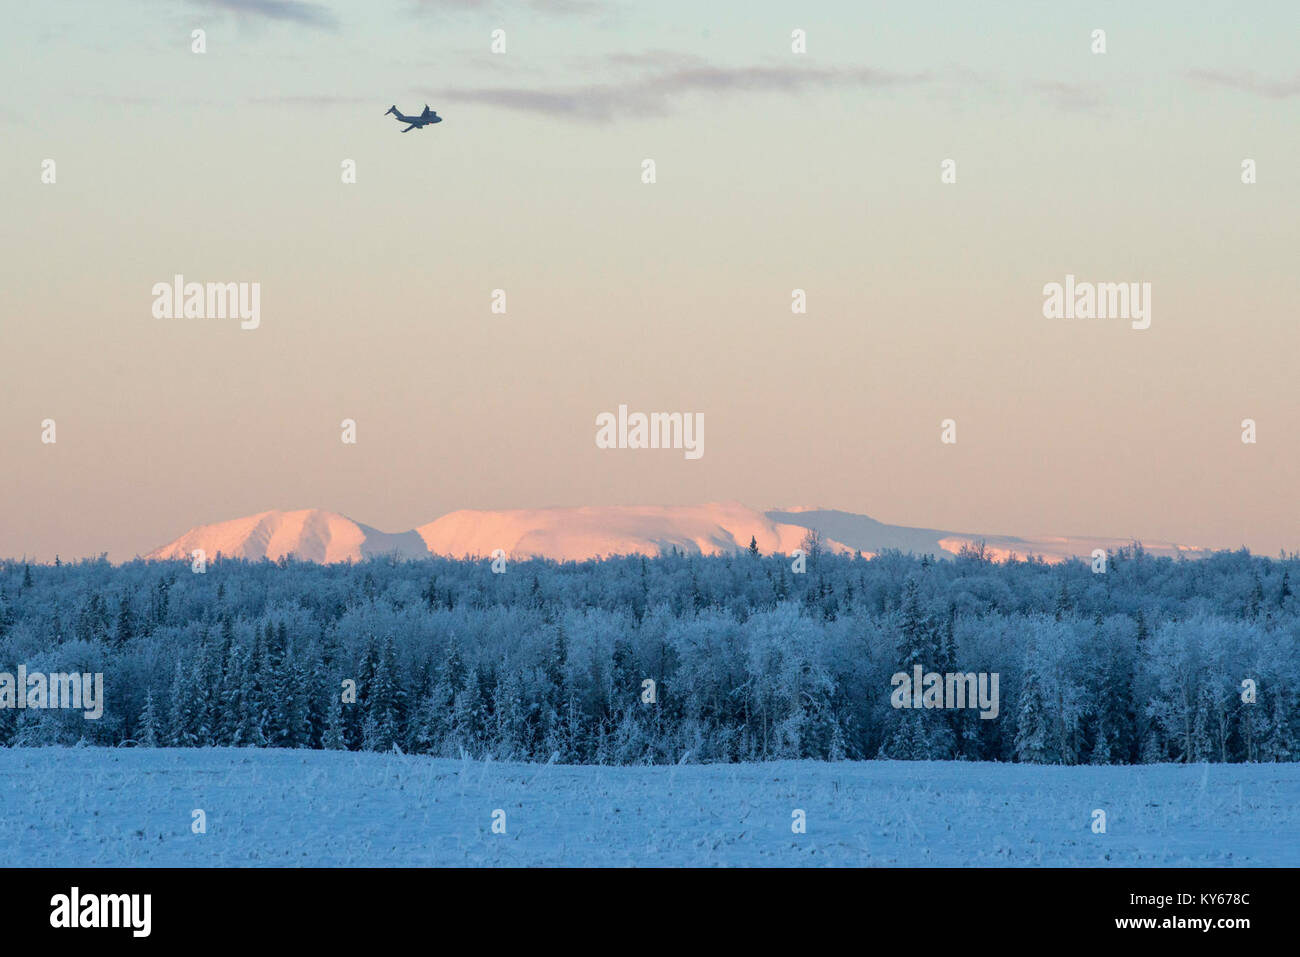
(11, 117)
(424, 6)
(557, 7)
(1067, 96)
(653, 94)
(653, 59)
(293, 11)
(1249, 83)
(311, 100)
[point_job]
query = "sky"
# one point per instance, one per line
(774, 171)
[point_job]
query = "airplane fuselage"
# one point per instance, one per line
(416, 122)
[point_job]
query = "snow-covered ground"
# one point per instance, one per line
(98, 807)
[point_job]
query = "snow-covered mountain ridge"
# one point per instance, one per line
(575, 534)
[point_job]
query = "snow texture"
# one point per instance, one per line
(134, 807)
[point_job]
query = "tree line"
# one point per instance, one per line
(683, 656)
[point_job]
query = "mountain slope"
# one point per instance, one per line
(309, 534)
(861, 532)
(576, 534)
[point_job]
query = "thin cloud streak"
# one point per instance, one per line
(604, 103)
(556, 7)
(1249, 83)
(1067, 96)
(291, 11)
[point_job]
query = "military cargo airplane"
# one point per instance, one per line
(417, 122)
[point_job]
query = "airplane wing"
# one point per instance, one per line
(411, 127)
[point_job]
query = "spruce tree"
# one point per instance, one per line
(235, 726)
(467, 717)
(149, 728)
(1032, 723)
(315, 691)
(1063, 602)
(1101, 750)
(918, 638)
(510, 739)
(383, 726)
(1280, 743)
(125, 622)
(332, 739)
(182, 732)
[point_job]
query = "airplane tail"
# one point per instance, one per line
(391, 109)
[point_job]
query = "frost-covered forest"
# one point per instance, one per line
(750, 662)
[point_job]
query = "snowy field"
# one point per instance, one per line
(98, 807)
